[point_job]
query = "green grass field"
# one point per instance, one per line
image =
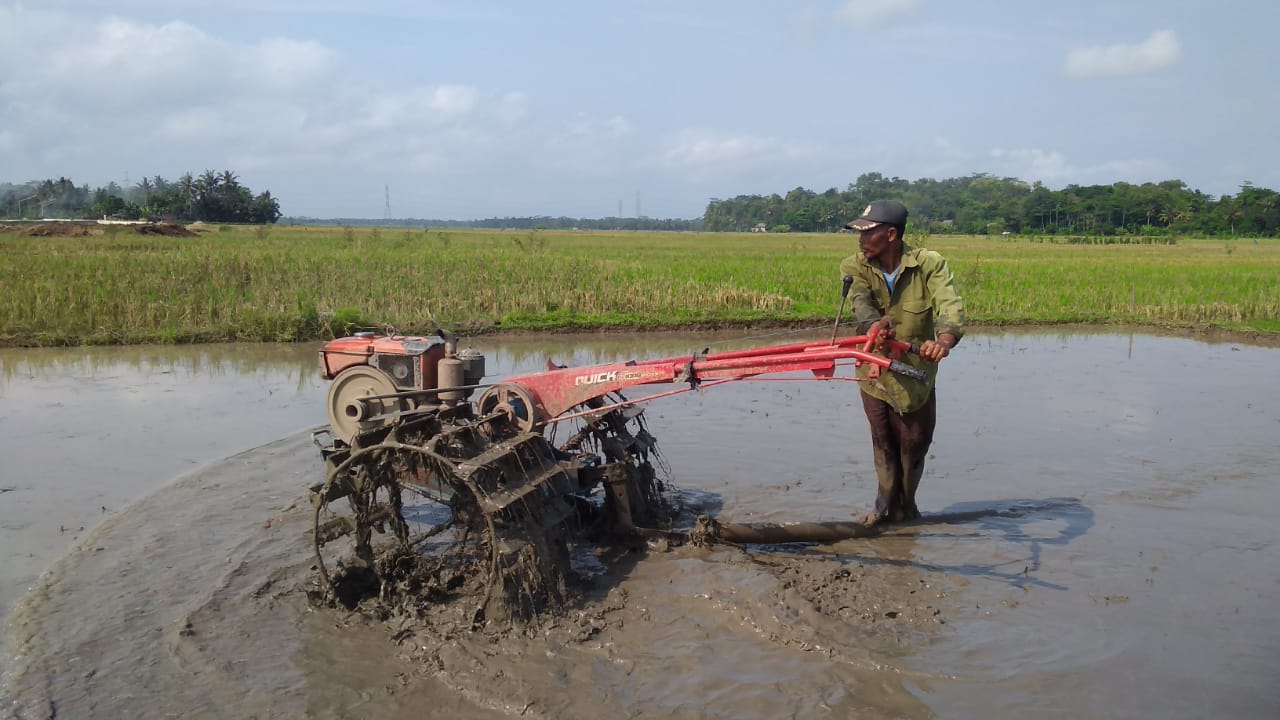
(281, 283)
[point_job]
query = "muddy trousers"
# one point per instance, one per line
(900, 443)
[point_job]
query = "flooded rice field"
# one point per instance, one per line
(1098, 541)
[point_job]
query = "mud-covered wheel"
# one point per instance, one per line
(447, 548)
(374, 503)
(492, 516)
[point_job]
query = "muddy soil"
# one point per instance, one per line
(1098, 541)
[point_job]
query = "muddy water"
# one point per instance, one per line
(1099, 541)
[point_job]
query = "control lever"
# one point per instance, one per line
(844, 293)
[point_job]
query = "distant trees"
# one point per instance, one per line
(976, 204)
(47, 197)
(211, 197)
(983, 204)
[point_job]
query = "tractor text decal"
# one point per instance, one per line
(596, 378)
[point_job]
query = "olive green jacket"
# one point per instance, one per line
(924, 304)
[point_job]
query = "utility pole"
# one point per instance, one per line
(22, 200)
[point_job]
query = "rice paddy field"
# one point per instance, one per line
(234, 283)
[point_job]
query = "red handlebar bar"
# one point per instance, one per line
(556, 391)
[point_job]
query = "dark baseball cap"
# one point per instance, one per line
(880, 212)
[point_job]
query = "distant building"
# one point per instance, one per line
(759, 227)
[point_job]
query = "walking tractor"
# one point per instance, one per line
(503, 485)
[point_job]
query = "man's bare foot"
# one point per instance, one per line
(871, 519)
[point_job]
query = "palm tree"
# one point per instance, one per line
(144, 186)
(1268, 203)
(187, 191)
(207, 183)
(1230, 213)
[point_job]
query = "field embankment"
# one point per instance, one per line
(302, 283)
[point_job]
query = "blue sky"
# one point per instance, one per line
(589, 109)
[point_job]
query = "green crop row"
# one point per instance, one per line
(303, 283)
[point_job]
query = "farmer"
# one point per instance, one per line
(908, 294)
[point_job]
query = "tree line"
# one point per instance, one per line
(977, 204)
(981, 204)
(210, 197)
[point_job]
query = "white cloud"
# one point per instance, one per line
(867, 13)
(1032, 164)
(617, 126)
(944, 158)
(1160, 51)
(453, 100)
(173, 93)
(705, 153)
(423, 107)
(1054, 169)
(118, 62)
(278, 64)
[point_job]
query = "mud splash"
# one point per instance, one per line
(217, 623)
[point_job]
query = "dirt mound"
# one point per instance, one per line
(92, 229)
(60, 230)
(165, 229)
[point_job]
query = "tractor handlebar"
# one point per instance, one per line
(910, 371)
(557, 390)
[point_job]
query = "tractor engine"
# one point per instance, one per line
(375, 377)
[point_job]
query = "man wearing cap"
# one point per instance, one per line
(909, 294)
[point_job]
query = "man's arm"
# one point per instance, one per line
(948, 306)
(865, 308)
(948, 311)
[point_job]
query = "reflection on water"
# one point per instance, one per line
(1029, 525)
(1098, 538)
(189, 362)
(85, 431)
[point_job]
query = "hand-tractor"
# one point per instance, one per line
(501, 499)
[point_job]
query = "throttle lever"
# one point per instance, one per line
(847, 282)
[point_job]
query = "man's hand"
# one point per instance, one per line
(935, 350)
(885, 327)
